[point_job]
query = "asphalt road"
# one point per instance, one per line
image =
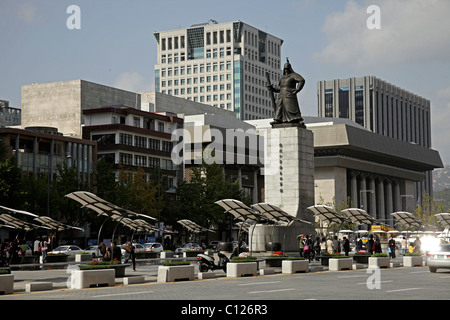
(384, 284)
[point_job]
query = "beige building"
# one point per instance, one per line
(60, 104)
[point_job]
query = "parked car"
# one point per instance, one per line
(137, 247)
(439, 259)
(94, 250)
(213, 245)
(153, 246)
(188, 246)
(70, 250)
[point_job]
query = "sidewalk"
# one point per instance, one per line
(59, 277)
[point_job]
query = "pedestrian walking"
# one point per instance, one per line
(130, 254)
(323, 246)
(370, 245)
(336, 245)
(301, 245)
(377, 245)
(404, 245)
(44, 248)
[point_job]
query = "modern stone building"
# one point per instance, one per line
(219, 64)
(132, 138)
(375, 172)
(38, 150)
(9, 116)
(382, 108)
(61, 104)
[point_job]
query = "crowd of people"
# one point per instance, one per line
(14, 251)
(312, 247)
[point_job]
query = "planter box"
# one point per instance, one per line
(361, 258)
(83, 257)
(380, 262)
(241, 269)
(294, 266)
(340, 264)
(165, 255)
(86, 278)
(6, 283)
(274, 261)
(175, 273)
(412, 261)
(56, 258)
(191, 254)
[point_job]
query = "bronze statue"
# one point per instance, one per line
(286, 107)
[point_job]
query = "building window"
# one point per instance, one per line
(126, 139)
(126, 158)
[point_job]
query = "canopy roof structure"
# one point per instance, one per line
(326, 214)
(138, 225)
(239, 210)
(102, 207)
(17, 223)
(444, 219)
(192, 226)
(53, 224)
(275, 214)
(407, 219)
(14, 211)
(359, 216)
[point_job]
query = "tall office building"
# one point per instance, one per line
(382, 108)
(220, 64)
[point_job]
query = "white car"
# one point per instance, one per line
(188, 246)
(70, 250)
(94, 250)
(153, 246)
(439, 259)
(137, 247)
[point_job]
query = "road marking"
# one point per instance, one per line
(420, 271)
(120, 294)
(385, 281)
(359, 276)
(253, 283)
(399, 290)
(270, 291)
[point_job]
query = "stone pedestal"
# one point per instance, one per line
(288, 184)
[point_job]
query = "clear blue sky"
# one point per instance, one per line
(324, 40)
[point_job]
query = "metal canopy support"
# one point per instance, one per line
(275, 214)
(242, 212)
(326, 214)
(103, 207)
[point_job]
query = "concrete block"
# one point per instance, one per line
(38, 286)
(175, 273)
(412, 261)
(87, 278)
(6, 283)
(242, 269)
(265, 272)
(206, 275)
(133, 280)
(294, 266)
(380, 262)
(359, 266)
(340, 264)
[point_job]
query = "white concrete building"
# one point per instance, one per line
(219, 64)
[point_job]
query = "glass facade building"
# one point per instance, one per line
(219, 64)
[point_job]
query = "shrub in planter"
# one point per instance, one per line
(175, 263)
(243, 259)
(379, 255)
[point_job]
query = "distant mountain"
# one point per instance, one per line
(441, 178)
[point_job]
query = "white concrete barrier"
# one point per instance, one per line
(294, 266)
(340, 264)
(175, 273)
(241, 269)
(6, 283)
(412, 261)
(38, 286)
(87, 278)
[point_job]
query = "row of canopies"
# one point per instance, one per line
(328, 215)
(17, 219)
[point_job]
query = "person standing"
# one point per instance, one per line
(44, 248)
(301, 244)
(336, 245)
(323, 246)
(377, 245)
(370, 244)
(330, 248)
(346, 246)
(37, 249)
(391, 245)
